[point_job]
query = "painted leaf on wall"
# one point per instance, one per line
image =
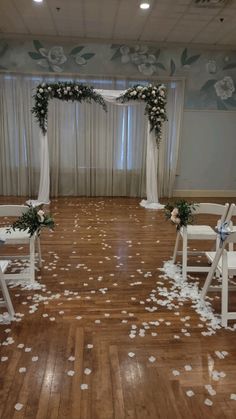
(37, 45)
(88, 56)
(184, 57)
(76, 50)
(116, 55)
(161, 66)
(34, 55)
(209, 84)
(185, 60)
(172, 67)
(3, 50)
(192, 59)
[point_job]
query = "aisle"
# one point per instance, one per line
(92, 344)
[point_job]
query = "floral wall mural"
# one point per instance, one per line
(210, 75)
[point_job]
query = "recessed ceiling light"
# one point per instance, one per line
(38, 1)
(144, 6)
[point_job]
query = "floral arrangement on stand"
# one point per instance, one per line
(64, 91)
(155, 98)
(180, 213)
(33, 220)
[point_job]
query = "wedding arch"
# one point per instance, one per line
(154, 97)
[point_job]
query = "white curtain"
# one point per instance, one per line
(169, 147)
(95, 153)
(19, 137)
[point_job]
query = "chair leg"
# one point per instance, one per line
(224, 291)
(7, 299)
(176, 246)
(32, 259)
(211, 273)
(184, 256)
(39, 252)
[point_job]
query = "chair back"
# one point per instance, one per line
(212, 209)
(231, 213)
(12, 210)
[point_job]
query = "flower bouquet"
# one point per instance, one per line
(180, 213)
(33, 220)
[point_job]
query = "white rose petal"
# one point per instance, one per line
(87, 371)
(4, 358)
(84, 386)
(18, 406)
(190, 393)
(35, 358)
(175, 372)
(71, 358)
(208, 402)
(152, 359)
(28, 349)
(70, 373)
(131, 354)
(22, 370)
(232, 396)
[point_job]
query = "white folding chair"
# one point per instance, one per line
(20, 237)
(223, 262)
(6, 296)
(198, 232)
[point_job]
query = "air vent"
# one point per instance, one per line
(209, 3)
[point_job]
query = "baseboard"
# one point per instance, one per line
(221, 193)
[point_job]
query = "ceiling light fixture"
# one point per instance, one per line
(38, 1)
(144, 6)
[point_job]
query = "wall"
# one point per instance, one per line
(208, 143)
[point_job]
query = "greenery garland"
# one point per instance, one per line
(64, 91)
(155, 98)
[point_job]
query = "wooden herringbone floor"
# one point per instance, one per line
(100, 267)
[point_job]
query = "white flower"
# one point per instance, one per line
(55, 57)
(40, 90)
(143, 97)
(175, 212)
(175, 219)
(41, 216)
(139, 88)
(224, 88)
(42, 111)
(134, 93)
(68, 88)
(49, 88)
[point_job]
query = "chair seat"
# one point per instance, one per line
(231, 260)
(199, 232)
(3, 265)
(8, 234)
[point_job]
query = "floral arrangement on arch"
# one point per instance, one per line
(155, 109)
(64, 91)
(180, 213)
(33, 220)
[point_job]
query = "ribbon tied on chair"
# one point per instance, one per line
(223, 232)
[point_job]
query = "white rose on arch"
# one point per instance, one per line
(55, 57)
(224, 88)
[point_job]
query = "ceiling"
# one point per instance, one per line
(167, 21)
